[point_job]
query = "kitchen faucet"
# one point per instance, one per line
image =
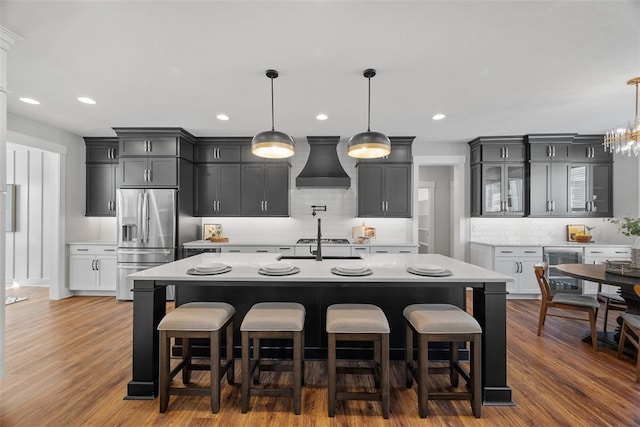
(318, 251)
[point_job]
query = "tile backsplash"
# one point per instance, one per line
(541, 230)
(336, 221)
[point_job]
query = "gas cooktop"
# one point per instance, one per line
(328, 241)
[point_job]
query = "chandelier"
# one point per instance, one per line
(625, 139)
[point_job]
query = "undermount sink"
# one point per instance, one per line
(324, 257)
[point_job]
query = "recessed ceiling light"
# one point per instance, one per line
(438, 116)
(322, 117)
(222, 117)
(30, 101)
(86, 100)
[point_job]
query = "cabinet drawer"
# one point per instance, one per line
(92, 249)
(249, 249)
(607, 252)
(153, 146)
(518, 251)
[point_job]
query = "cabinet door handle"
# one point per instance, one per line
(553, 206)
(553, 150)
(218, 205)
(506, 152)
(266, 205)
(93, 265)
(506, 252)
(517, 267)
(262, 205)
(547, 207)
(97, 264)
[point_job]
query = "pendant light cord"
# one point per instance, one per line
(635, 125)
(272, 121)
(369, 106)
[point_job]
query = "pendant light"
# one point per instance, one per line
(369, 145)
(272, 144)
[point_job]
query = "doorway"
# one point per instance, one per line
(426, 207)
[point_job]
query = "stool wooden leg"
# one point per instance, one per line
(186, 361)
(423, 373)
(376, 363)
(297, 371)
(408, 355)
(214, 350)
(476, 378)
(231, 372)
(384, 380)
(246, 377)
(302, 357)
(331, 359)
(256, 357)
(164, 371)
(454, 358)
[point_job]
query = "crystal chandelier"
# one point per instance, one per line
(625, 139)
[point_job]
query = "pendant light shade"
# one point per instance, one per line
(369, 145)
(272, 144)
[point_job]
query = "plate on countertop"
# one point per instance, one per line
(278, 267)
(365, 272)
(351, 268)
(427, 268)
(443, 273)
(211, 267)
(196, 272)
(292, 270)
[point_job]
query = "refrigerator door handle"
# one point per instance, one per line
(145, 217)
(139, 218)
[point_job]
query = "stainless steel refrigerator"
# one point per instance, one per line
(147, 234)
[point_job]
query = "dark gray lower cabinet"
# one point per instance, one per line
(265, 189)
(101, 187)
(217, 189)
(384, 190)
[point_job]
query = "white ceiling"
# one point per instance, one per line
(493, 67)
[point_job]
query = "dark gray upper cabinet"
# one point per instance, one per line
(101, 175)
(591, 192)
(265, 189)
(567, 175)
(590, 148)
(384, 184)
(217, 188)
(498, 176)
(149, 157)
(220, 149)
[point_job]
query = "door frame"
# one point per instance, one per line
(458, 220)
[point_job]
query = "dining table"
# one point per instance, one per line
(598, 273)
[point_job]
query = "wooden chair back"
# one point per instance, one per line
(541, 275)
(636, 289)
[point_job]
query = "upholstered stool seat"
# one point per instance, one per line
(359, 322)
(278, 320)
(196, 320)
(443, 323)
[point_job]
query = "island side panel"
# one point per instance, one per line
(149, 307)
(490, 309)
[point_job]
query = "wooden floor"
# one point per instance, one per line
(68, 363)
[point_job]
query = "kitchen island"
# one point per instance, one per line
(390, 286)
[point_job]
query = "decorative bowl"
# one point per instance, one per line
(583, 238)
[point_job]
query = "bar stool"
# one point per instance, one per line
(443, 323)
(281, 320)
(359, 322)
(196, 320)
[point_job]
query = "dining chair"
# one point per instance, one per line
(565, 301)
(611, 301)
(631, 331)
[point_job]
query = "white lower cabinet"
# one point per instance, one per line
(514, 261)
(600, 255)
(92, 267)
(393, 250)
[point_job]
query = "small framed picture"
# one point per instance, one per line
(210, 230)
(572, 229)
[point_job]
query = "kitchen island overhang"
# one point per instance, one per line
(390, 286)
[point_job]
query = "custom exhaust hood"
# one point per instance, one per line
(323, 168)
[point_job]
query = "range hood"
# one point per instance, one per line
(323, 168)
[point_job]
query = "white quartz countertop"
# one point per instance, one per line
(207, 244)
(386, 268)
